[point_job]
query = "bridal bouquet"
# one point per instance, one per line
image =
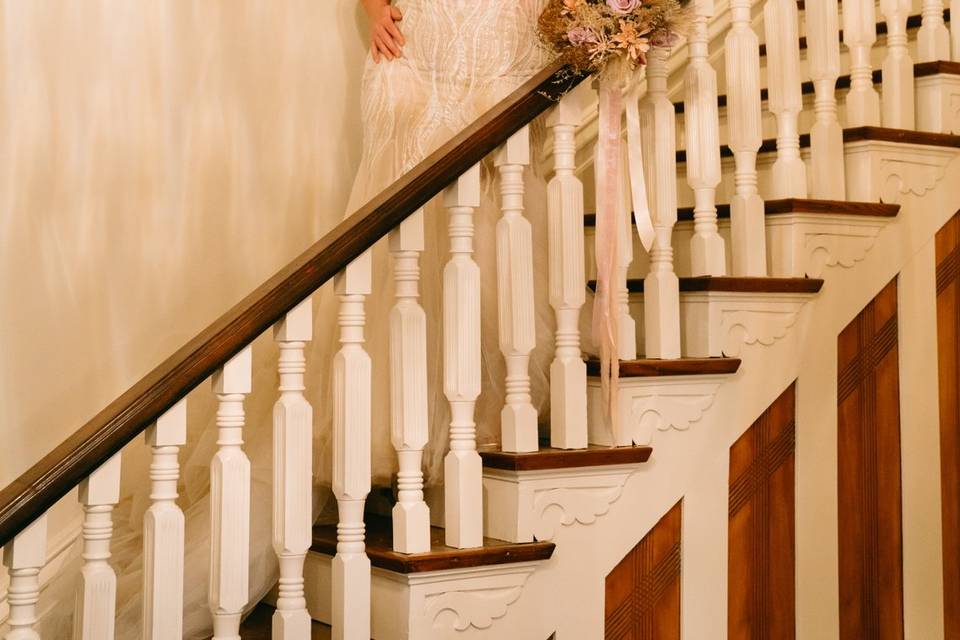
(590, 35)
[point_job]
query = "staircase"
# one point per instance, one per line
(800, 195)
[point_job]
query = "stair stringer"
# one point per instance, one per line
(692, 465)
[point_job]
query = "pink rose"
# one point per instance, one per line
(624, 6)
(581, 35)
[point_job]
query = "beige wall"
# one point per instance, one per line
(158, 160)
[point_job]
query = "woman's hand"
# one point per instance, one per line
(385, 37)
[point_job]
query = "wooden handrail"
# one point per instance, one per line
(33, 493)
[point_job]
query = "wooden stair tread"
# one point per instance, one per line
(379, 546)
(650, 367)
(550, 458)
(857, 134)
(794, 205)
(920, 70)
(734, 284)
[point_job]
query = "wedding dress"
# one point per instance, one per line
(461, 58)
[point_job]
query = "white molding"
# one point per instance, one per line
(879, 171)
(525, 505)
(651, 404)
(938, 103)
(804, 244)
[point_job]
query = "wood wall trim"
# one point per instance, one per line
(549, 458)
(642, 600)
(649, 367)
(30, 495)
(761, 507)
(948, 347)
(869, 489)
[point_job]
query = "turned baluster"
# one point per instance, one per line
(702, 124)
(626, 325)
(97, 592)
(163, 529)
(565, 237)
(898, 88)
(742, 57)
(826, 136)
(292, 474)
(859, 35)
(518, 419)
(351, 455)
(661, 289)
(781, 26)
(933, 39)
(408, 388)
(24, 557)
(230, 500)
(463, 489)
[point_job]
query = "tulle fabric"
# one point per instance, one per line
(461, 58)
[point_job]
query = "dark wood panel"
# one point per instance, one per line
(948, 343)
(549, 458)
(868, 442)
(761, 512)
(643, 591)
(681, 367)
(106, 433)
(379, 543)
(793, 205)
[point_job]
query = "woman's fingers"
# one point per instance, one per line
(387, 39)
(396, 14)
(395, 32)
(375, 52)
(386, 46)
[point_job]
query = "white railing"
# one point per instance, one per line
(461, 324)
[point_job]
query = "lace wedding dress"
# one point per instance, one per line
(461, 58)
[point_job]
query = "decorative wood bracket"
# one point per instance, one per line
(803, 244)
(886, 171)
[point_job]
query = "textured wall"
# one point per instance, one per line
(158, 160)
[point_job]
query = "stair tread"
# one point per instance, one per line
(549, 458)
(651, 367)
(920, 70)
(379, 548)
(857, 134)
(734, 284)
(794, 205)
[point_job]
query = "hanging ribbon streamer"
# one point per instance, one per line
(610, 207)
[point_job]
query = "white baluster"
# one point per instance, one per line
(702, 124)
(463, 489)
(933, 39)
(859, 34)
(781, 25)
(826, 136)
(518, 419)
(163, 529)
(661, 288)
(97, 592)
(742, 57)
(351, 454)
(230, 501)
(898, 89)
(292, 473)
(408, 388)
(24, 557)
(568, 372)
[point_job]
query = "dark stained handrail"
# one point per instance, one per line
(33, 493)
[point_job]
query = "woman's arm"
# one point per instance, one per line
(385, 37)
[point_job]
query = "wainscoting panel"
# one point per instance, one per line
(869, 492)
(762, 594)
(948, 342)
(643, 591)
